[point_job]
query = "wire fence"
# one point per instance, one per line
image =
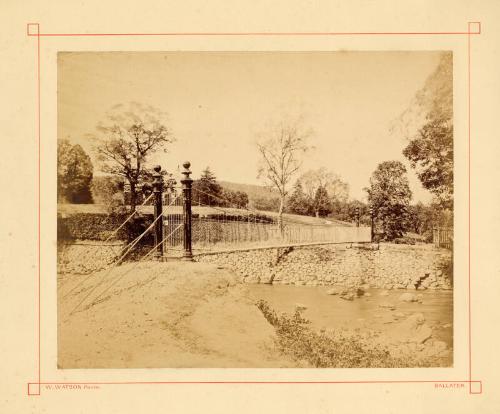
(227, 225)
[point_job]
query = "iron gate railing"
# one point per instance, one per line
(222, 225)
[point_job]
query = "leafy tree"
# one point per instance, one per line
(74, 173)
(431, 153)
(423, 218)
(106, 189)
(206, 190)
(352, 208)
(419, 218)
(389, 195)
(280, 146)
(298, 202)
(242, 198)
(331, 183)
(238, 199)
(125, 140)
(430, 149)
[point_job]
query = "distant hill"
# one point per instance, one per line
(254, 191)
(260, 192)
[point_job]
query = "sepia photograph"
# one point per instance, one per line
(255, 209)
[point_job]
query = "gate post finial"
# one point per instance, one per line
(187, 183)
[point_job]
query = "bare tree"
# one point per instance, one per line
(126, 138)
(281, 146)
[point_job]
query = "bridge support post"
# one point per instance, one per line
(158, 211)
(187, 183)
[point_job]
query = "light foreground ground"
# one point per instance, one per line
(161, 315)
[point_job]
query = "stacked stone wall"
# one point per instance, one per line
(388, 266)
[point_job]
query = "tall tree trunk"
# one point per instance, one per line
(280, 214)
(133, 196)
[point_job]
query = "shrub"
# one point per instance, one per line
(404, 240)
(339, 349)
(136, 226)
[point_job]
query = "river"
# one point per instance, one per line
(332, 312)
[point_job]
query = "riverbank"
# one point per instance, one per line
(387, 266)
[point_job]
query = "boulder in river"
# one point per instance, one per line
(413, 329)
(336, 290)
(347, 296)
(408, 297)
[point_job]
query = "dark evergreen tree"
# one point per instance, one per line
(322, 202)
(206, 190)
(298, 203)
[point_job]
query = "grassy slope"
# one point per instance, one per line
(253, 191)
(69, 209)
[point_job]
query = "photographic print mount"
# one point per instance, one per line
(33, 30)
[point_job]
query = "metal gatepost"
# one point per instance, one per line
(158, 211)
(187, 183)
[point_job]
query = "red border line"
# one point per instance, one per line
(256, 382)
(38, 192)
(39, 204)
(256, 34)
(469, 205)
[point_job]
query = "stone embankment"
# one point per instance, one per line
(388, 266)
(83, 257)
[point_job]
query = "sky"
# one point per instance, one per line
(217, 101)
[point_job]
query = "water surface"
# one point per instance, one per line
(330, 312)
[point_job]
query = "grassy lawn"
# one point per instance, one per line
(69, 209)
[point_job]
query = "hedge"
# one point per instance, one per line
(99, 226)
(95, 226)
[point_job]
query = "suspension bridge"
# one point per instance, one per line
(183, 231)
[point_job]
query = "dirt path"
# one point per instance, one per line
(161, 315)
